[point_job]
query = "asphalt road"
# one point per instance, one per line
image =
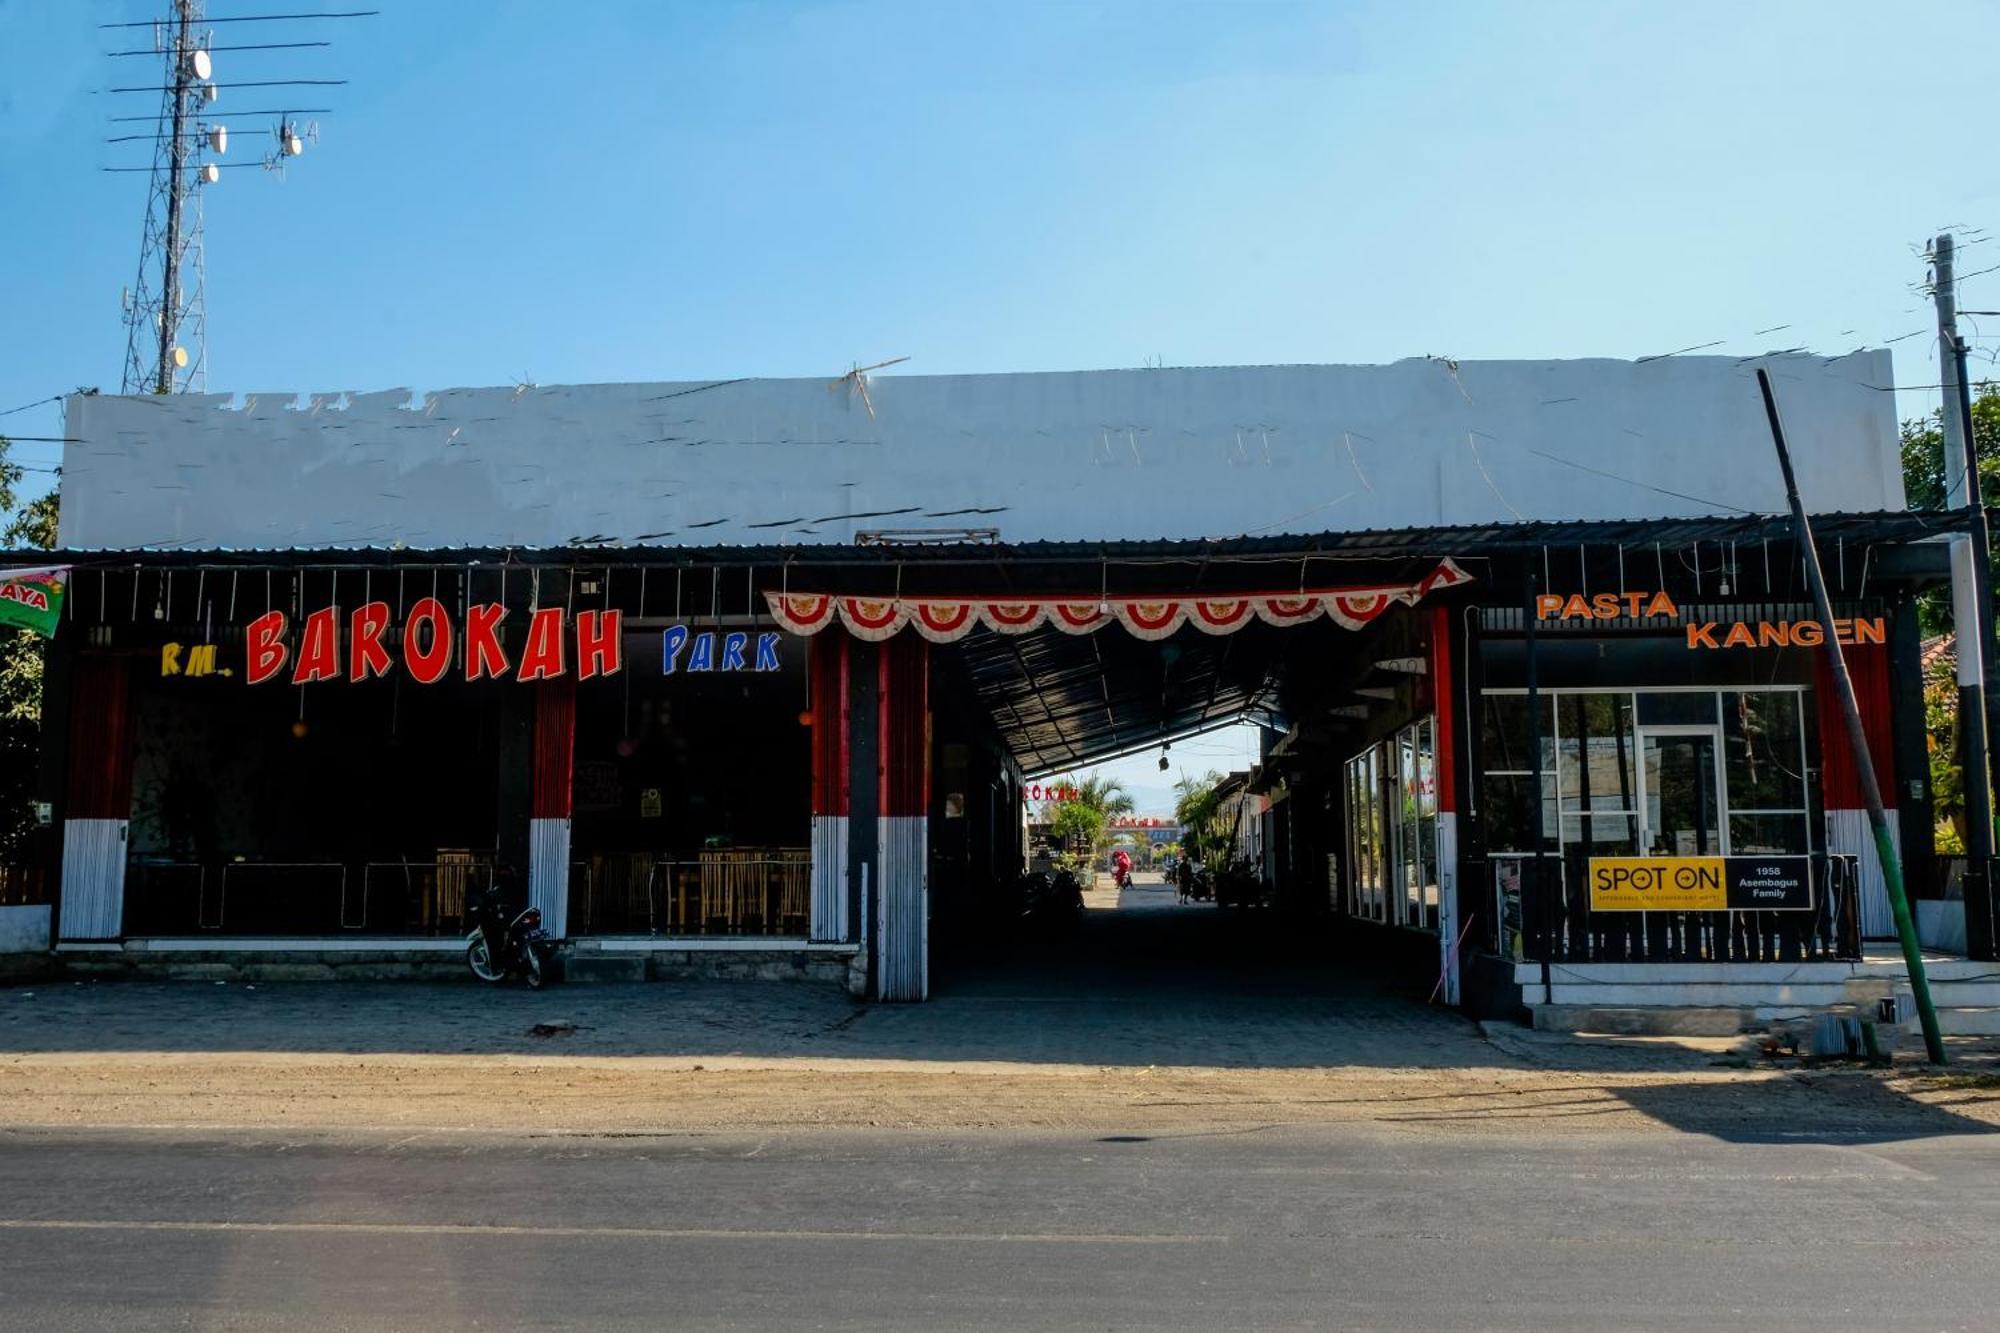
(1323, 1227)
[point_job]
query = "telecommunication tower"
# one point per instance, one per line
(166, 325)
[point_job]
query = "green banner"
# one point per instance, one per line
(33, 598)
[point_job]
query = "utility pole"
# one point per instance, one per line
(1979, 921)
(1857, 738)
(177, 153)
(1971, 607)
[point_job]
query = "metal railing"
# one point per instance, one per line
(304, 898)
(1568, 931)
(23, 886)
(763, 891)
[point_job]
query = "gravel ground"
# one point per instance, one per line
(1150, 1022)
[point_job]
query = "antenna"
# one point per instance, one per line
(166, 323)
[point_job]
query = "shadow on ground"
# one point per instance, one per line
(1243, 1009)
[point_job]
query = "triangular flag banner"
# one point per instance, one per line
(946, 619)
(33, 598)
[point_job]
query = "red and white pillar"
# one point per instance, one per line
(549, 802)
(827, 661)
(1444, 775)
(1847, 831)
(902, 895)
(97, 807)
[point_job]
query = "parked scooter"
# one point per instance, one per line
(503, 942)
(1051, 901)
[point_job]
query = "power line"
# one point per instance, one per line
(259, 18)
(52, 398)
(262, 46)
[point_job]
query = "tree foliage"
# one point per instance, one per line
(1923, 453)
(1085, 818)
(1923, 485)
(1198, 810)
(21, 655)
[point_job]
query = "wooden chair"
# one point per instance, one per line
(795, 884)
(454, 878)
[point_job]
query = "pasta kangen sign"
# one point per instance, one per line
(1708, 633)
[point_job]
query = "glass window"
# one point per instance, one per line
(1679, 708)
(1392, 828)
(1759, 835)
(1504, 732)
(1602, 835)
(1510, 812)
(1763, 758)
(1595, 759)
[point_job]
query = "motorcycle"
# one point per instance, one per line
(502, 943)
(1051, 900)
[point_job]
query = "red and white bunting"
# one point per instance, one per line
(947, 619)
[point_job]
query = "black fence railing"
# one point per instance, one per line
(302, 898)
(1563, 928)
(23, 886)
(746, 891)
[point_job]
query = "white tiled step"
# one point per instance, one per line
(1969, 1022)
(1860, 990)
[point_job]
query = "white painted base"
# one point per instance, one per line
(1448, 921)
(829, 877)
(1848, 834)
(440, 944)
(902, 908)
(1940, 925)
(1767, 989)
(548, 873)
(93, 879)
(705, 944)
(24, 929)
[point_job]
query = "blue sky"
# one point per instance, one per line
(606, 191)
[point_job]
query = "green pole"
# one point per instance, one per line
(1857, 739)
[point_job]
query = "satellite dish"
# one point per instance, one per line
(202, 66)
(210, 173)
(218, 138)
(180, 358)
(209, 92)
(294, 145)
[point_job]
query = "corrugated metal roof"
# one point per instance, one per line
(1376, 543)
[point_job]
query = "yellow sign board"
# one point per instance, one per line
(1658, 884)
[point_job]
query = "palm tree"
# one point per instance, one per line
(1197, 810)
(1107, 795)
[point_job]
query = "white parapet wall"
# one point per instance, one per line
(24, 929)
(1189, 453)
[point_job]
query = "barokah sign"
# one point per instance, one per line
(429, 643)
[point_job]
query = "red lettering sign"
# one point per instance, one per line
(427, 642)
(482, 641)
(543, 657)
(366, 656)
(598, 644)
(265, 650)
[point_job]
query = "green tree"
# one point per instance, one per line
(1923, 479)
(1947, 778)
(31, 525)
(1923, 453)
(1085, 818)
(1198, 810)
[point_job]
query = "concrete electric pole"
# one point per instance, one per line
(1971, 607)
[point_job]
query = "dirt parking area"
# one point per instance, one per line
(667, 1059)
